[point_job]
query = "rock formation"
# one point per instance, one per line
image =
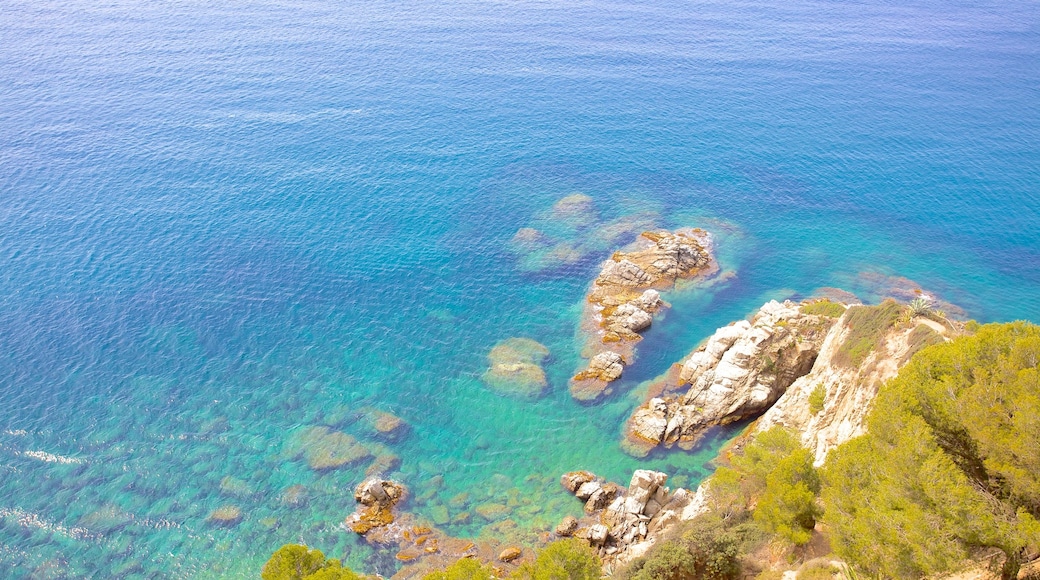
(623, 523)
(845, 391)
(737, 374)
(376, 499)
(515, 368)
(624, 297)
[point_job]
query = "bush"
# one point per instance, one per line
(817, 398)
(823, 307)
(567, 559)
(297, 562)
(788, 506)
(817, 570)
(463, 569)
(707, 549)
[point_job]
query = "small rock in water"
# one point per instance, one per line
(515, 368)
(234, 486)
(226, 515)
(294, 496)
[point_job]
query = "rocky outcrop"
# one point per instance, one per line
(376, 499)
(515, 368)
(624, 297)
(737, 374)
(623, 523)
(829, 405)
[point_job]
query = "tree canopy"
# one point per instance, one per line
(950, 462)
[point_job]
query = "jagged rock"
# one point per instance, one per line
(603, 368)
(738, 373)
(587, 489)
(601, 497)
(624, 297)
(575, 479)
(567, 526)
(515, 368)
(376, 499)
(598, 534)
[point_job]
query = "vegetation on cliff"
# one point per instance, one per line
(296, 562)
(950, 464)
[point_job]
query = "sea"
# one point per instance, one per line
(226, 225)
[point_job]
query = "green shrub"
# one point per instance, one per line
(817, 398)
(567, 559)
(867, 327)
(823, 307)
(817, 570)
(770, 575)
(788, 507)
(296, 562)
(707, 549)
(463, 569)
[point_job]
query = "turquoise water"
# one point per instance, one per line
(220, 225)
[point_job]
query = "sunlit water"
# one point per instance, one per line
(222, 223)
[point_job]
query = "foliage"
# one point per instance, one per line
(950, 463)
(296, 562)
(776, 473)
(817, 570)
(867, 327)
(707, 549)
(566, 559)
(788, 507)
(823, 307)
(817, 398)
(463, 569)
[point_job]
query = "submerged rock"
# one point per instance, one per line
(515, 368)
(624, 297)
(294, 496)
(326, 449)
(226, 515)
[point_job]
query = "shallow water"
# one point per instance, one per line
(219, 225)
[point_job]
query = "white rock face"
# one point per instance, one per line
(849, 392)
(741, 370)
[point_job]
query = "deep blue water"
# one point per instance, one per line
(221, 224)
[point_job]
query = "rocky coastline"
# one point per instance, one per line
(789, 364)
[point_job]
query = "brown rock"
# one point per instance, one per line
(567, 526)
(294, 496)
(510, 554)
